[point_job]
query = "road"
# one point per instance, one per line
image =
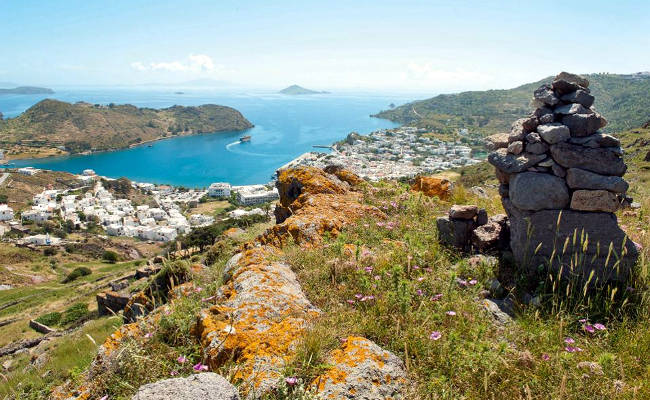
(3, 178)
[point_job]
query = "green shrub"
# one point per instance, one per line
(110, 256)
(77, 273)
(49, 319)
(50, 251)
(74, 314)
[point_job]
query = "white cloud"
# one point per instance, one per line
(194, 63)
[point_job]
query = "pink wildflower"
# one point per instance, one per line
(173, 373)
(148, 335)
(350, 301)
(377, 277)
(546, 357)
(583, 320)
(569, 340)
(181, 359)
(420, 279)
(600, 327)
(200, 367)
(368, 269)
(473, 282)
(206, 299)
(451, 313)
(104, 398)
(419, 292)
(435, 335)
(358, 296)
(571, 349)
(415, 267)
(436, 297)
(292, 380)
(588, 328)
(199, 289)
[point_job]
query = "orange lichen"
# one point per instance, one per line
(431, 186)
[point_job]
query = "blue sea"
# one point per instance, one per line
(285, 127)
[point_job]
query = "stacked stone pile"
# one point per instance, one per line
(556, 159)
(468, 226)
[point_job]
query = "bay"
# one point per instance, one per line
(285, 127)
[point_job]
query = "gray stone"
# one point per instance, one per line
(537, 148)
(582, 179)
(580, 97)
(546, 119)
(502, 176)
(584, 124)
(573, 78)
(521, 127)
(596, 140)
(535, 237)
(544, 94)
(510, 163)
(572, 109)
(562, 87)
(454, 232)
(204, 386)
(516, 147)
(370, 373)
(504, 190)
(458, 211)
(540, 111)
(490, 237)
(594, 200)
(481, 217)
(501, 310)
(554, 132)
(535, 191)
(558, 171)
(533, 137)
(599, 160)
(496, 141)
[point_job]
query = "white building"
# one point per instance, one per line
(89, 172)
(28, 171)
(219, 189)
(42, 240)
(6, 213)
(201, 220)
(36, 215)
(255, 194)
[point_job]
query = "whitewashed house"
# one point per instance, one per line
(6, 213)
(219, 189)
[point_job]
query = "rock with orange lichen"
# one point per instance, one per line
(317, 215)
(260, 315)
(432, 187)
(343, 174)
(361, 370)
(139, 305)
(293, 182)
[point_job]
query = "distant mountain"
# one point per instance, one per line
(27, 90)
(82, 126)
(623, 99)
(295, 90)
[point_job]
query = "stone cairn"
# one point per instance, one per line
(561, 177)
(468, 227)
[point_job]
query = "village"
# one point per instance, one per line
(397, 153)
(164, 221)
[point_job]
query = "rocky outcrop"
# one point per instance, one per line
(467, 227)
(205, 386)
(563, 185)
(432, 187)
(361, 370)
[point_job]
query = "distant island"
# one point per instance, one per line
(83, 127)
(297, 90)
(27, 90)
(622, 98)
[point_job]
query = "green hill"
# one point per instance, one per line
(27, 90)
(82, 126)
(623, 99)
(295, 90)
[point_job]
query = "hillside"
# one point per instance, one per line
(27, 90)
(82, 126)
(624, 99)
(297, 90)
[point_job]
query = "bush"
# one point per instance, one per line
(110, 256)
(77, 273)
(74, 314)
(49, 319)
(50, 251)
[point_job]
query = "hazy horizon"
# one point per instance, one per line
(378, 46)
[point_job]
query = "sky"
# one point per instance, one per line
(420, 46)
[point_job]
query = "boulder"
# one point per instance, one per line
(504, 190)
(463, 211)
(489, 237)
(562, 86)
(584, 124)
(596, 140)
(454, 232)
(535, 237)
(594, 200)
(516, 147)
(292, 182)
(573, 78)
(541, 111)
(496, 141)
(204, 386)
(544, 95)
(580, 97)
(572, 109)
(110, 302)
(599, 160)
(502, 176)
(533, 137)
(521, 127)
(432, 187)
(281, 213)
(537, 148)
(578, 178)
(510, 163)
(481, 217)
(361, 370)
(554, 132)
(536, 191)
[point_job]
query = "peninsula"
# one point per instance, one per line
(83, 127)
(27, 90)
(298, 90)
